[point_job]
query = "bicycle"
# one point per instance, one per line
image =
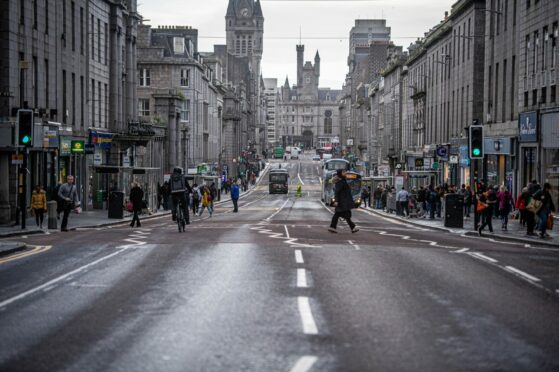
(181, 222)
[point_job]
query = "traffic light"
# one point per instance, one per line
(476, 142)
(25, 127)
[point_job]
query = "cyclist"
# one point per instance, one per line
(180, 189)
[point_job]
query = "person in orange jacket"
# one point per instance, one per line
(39, 205)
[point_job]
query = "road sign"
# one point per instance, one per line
(442, 151)
(435, 165)
(453, 159)
(17, 159)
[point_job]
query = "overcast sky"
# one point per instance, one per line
(333, 19)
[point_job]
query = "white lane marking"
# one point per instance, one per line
(49, 288)
(276, 212)
(299, 257)
(483, 257)
(320, 179)
(286, 232)
(56, 280)
(463, 250)
(354, 245)
(301, 278)
(522, 274)
(300, 180)
(304, 364)
(307, 320)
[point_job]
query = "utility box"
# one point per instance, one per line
(116, 204)
(454, 211)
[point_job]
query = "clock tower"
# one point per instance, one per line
(244, 27)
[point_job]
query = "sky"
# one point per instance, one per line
(324, 25)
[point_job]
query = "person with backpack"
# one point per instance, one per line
(195, 196)
(547, 206)
(505, 206)
(206, 201)
(179, 190)
(235, 196)
(529, 216)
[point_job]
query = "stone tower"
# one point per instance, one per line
(300, 62)
(244, 28)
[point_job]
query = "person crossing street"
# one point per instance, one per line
(344, 202)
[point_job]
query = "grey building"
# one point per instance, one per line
(271, 93)
(307, 114)
(538, 136)
(73, 64)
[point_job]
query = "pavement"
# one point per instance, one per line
(9, 247)
(99, 218)
(515, 232)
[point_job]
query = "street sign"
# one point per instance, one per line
(435, 165)
(78, 146)
(126, 161)
(419, 163)
(399, 166)
(17, 159)
(453, 159)
(442, 151)
(97, 159)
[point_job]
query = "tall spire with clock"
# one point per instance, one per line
(244, 27)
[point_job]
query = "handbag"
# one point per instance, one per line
(480, 207)
(549, 222)
(534, 205)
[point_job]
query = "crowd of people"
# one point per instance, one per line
(532, 207)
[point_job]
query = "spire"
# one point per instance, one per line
(317, 56)
(231, 9)
(258, 9)
(286, 82)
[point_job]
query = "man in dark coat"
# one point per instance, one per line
(137, 198)
(344, 202)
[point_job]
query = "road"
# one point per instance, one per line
(269, 289)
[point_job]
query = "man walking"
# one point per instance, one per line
(137, 198)
(344, 202)
(235, 196)
(68, 195)
(402, 200)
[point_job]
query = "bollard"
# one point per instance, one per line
(52, 215)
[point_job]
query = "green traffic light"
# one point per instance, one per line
(26, 139)
(476, 152)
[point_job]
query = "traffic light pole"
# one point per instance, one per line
(476, 181)
(23, 190)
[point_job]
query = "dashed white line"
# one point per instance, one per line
(463, 250)
(307, 320)
(304, 363)
(301, 278)
(483, 257)
(354, 245)
(299, 257)
(522, 274)
(286, 232)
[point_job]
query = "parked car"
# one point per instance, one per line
(316, 157)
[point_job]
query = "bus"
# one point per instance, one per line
(353, 180)
(278, 181)
(278, 152)
(334, 165)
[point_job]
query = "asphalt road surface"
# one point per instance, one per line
(270, 289)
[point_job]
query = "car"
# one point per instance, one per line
(316, 157)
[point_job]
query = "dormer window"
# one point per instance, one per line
(178, 45)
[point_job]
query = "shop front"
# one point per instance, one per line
(550, 152)
(529, 149)
(499, 163)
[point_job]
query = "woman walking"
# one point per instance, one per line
(544, 195)
(39, 205)
(505, 206)
(206, 201)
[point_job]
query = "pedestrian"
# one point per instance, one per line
(489, 200)
(39, 205)
(433, 196)
(505, 206)
(365, 196)
(529, 215)
(235, 197)
(544, 195)
(384, 198)
(378, 197)
(68, 194)
(137, 198)
(344, 202)
(466, 200)
(521, 206)
(166, 193)
(213, 192)
(196, 196)
(402, 200)
(159, 195)
(206, 201)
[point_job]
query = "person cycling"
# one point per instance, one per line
(179, 189)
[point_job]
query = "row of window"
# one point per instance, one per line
(243, 44)
(145, 77)
(543, 96)
(144, 109)
(541, 51)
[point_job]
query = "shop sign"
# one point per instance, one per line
(528, 127)
(65, 146)
(89, 149)
(442, 152)
(50, 137)
(419, 163)
(350, 142)
(140, 129)
(78, 147)
(550, 130)
(126, 161)
(17, 159)
(101, 140)
(464, 156)
(453, 159)
(497, 146)
(97, 159)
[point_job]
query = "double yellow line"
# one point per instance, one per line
(36, 250)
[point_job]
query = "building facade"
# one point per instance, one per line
(271, 94)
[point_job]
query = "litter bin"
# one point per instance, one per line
(454, 210)
(116, 203)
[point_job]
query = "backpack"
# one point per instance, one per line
(177, 184)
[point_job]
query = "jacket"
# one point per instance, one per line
(206, 199)
(39, 200)
(343, 195)
(137, 197)
(234, 191)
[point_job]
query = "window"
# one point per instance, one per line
(544, 48)
(543, 98)
(185, 77)
(527, 4)
(498, 16)
(293, 119)
(143, 107)
(292, 130)
(243, 46)
(250, 44)
(535, 51)
(553, 94)
(21, 12)
(525, 99)
(35, 82)
(99, 100)
(554, 45)
(81, 31)
(238, 45)
(92, 103)
(82, 102)
(534, 97)
(98, 39)
(526, 55)
(327, 125)
(73, 99)
(64, 35)
(469, 36)
(514, 13)
(185, 110)
(46, 17)
(34, 14)
(64, 107)
(73, 23)
(178, 45)
(145, 77)
(106, 43)
(92, 37)
(46, 74)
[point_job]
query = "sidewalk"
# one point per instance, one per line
(9, 247)
(99, 218)
(515, 231)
